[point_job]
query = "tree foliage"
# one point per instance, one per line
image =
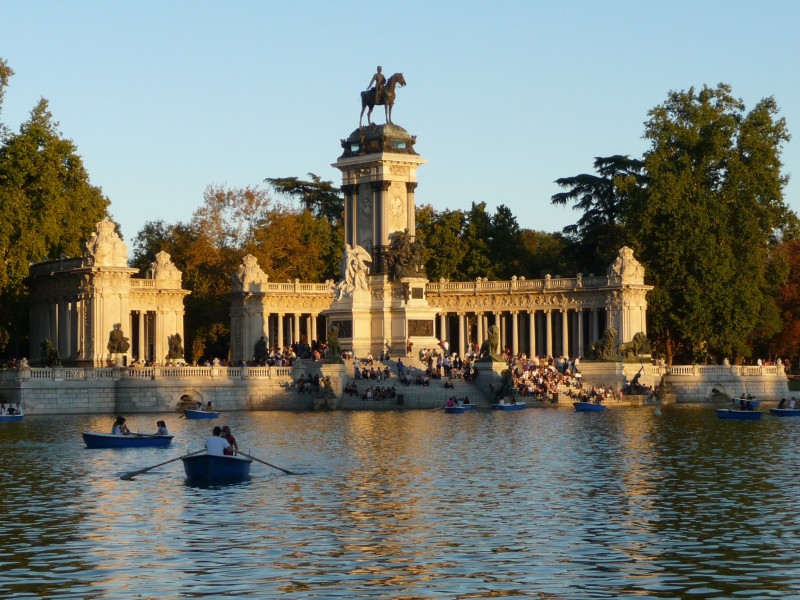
(49, 209)
(600, 232)
(705, 225)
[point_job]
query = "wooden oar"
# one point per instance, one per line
(132, 474)
(263, 462)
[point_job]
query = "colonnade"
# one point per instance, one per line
(280, 329)
(548, 332)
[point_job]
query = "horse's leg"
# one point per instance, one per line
(361, 118)
(369, 114)
(388, 110)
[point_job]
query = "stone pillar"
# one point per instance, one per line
(280, 330)
(549, 326)
(52, 330)
(579, 351)
(515, 332)
(141, 353)
(531, 333)
(313, 330)
(296, 337)
(594, 325)
(463, 343)
(479, 322)
(564, 332)
(443, 325)
(411, 211)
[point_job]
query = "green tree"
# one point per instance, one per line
(600, 232)
(506, 244)
(49, 209)
(705, 225)
(442, 233)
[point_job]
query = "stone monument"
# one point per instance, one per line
(382, 294)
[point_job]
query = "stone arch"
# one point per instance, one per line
(717, 393)
(188, 398)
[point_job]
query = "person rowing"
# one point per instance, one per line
(217, 445)
(162, 428)
(119, 427)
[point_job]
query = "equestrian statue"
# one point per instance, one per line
(381, 94)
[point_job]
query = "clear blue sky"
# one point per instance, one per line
(163, 98)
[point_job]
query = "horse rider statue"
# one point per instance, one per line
(379, 80)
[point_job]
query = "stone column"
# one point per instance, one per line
(140, 350)
(579, 351)
(564, 332)
(515, 332)
(296, 335)
(549, 326)
(52, 330)
(479, 322)
(280, 330)
(531, 333)
(411, 211)
(313, 330)
(594, 326)
(461, 341)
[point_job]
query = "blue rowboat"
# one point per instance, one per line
(207, 467)
(133, 440)
(588, 407)
(739, 415)
(470, 407)
(785, 412)
(455, 410)
(200, 414)
(10, 418)
(517, 406)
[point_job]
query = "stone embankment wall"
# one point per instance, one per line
(162, 389)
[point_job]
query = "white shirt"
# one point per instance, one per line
(215, 445)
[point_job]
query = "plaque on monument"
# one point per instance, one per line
(345, 327)
(420, 328)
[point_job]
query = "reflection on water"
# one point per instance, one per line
(541, 503)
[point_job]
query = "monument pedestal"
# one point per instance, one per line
(489, 375)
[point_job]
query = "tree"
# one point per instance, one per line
(442, 233)
(706, 223)
(600, 232)
(49, 209)
(506, 243)
(324, 201)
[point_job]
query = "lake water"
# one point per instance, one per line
(543, 503)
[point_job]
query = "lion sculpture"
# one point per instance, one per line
(636, 347)
(490, 349)
(603, 349)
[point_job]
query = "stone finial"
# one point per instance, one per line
(249, 275)
(626, 269)
(105, 248)
(163, 269)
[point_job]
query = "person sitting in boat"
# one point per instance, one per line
(742, 403)
(216, 444)
(466, 400)
(792, 402)
(782, 403)
(119, 427)
(234, 447)
(199, 406)
(450, 403)
(162, 428)
(208, 407)
(10, 411)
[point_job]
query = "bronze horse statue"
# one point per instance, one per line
(368, 98)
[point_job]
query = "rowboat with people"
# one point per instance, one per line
(785, 412)
(10, 414)
(455, 409)
(132, 440)
(508, 406)
(210, 467)
(588, 407)
(200, 414)
(739, 415)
